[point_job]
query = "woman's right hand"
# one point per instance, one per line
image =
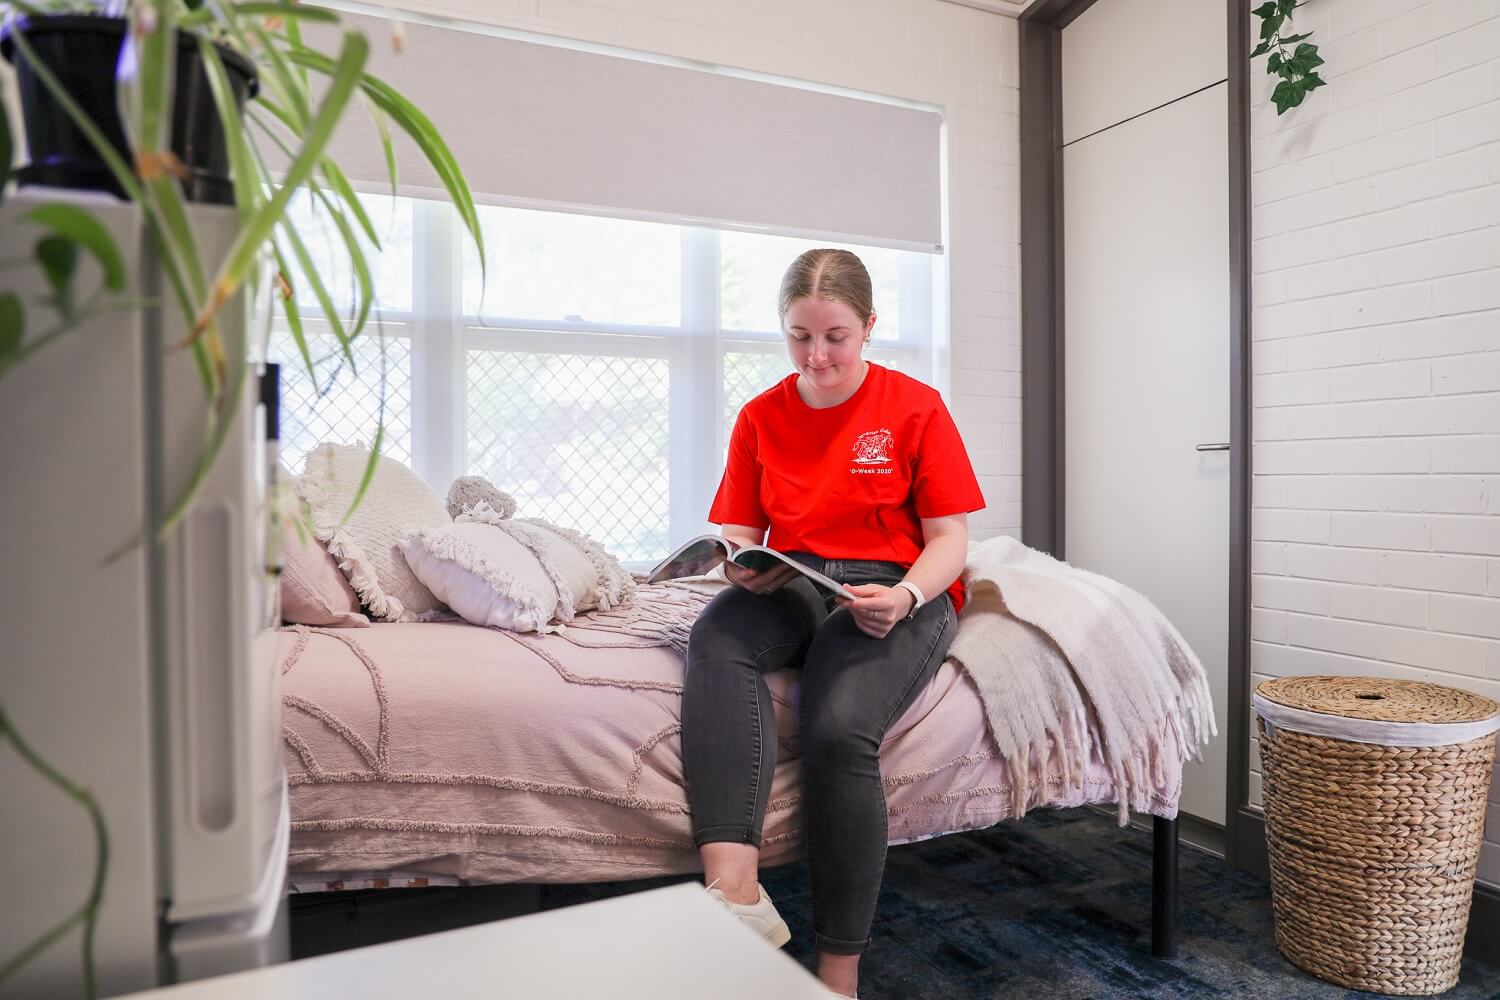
(762, 581)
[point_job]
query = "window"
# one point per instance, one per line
(593, 369)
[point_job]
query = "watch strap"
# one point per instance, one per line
(918, 598)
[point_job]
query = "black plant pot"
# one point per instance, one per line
(82, 50)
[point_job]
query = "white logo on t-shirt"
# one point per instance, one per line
(874, 447)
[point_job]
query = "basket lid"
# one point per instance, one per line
(1380, 699)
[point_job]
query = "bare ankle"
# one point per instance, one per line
(734, 867)
(745, 893)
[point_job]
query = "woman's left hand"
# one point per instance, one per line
(878, 608)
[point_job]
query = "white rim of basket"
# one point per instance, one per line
(1391, 734)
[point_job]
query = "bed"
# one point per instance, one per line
(446, 753)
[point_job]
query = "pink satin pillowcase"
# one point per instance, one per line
(313, 589)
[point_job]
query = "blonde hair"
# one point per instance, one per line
(831, 275)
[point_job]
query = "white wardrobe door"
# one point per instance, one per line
(1146, 268)
(1124, 57)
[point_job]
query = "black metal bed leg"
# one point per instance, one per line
(1163, 887)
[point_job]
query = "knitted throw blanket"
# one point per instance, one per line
(661, 613)
(1129, 680)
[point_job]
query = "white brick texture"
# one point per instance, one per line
(1375, 225)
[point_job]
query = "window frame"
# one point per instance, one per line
(441, 335)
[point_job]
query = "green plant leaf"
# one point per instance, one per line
(370, 464)
(356, 255)
(1266, 9)
(1260, 50)
(1288, 94)
(12, 322)
(293, 313)
(1273, 64)
(88, 914)
(1270, 26)
(176, 231)
(1282, 96)
(383, 126)
(414, 123)
(345, 191)
(1312, 82)
(1289, 39)
(319, 290)
(145, 77)
(293, 91)
(1287, 6)
(410, 119)
(1306, 54)
(82, 228)
(345, 76)
(286, 10)
(365, 293)
(243, 174)
(219, 421)
(294, 39)
(59, 259)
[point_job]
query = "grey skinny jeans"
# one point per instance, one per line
(853, 687)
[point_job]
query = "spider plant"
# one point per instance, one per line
(304, 92)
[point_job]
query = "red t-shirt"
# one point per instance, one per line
(850, 481)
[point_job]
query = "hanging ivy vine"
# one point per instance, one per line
(1298, 69)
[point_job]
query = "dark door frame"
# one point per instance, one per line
(1043, 343)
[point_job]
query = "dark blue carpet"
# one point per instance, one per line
(1057, 905)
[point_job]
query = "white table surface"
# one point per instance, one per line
(659, 944)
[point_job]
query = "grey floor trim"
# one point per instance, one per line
(1206, 836)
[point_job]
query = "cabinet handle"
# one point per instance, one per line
(1214, 447)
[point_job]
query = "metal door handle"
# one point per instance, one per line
(1214, 447)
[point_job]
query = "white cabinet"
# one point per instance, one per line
(147, 678)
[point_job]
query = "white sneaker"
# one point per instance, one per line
(760, 916)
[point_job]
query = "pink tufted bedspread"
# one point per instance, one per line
(455, 751)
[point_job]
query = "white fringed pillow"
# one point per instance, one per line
(525, 575)
(368, 546)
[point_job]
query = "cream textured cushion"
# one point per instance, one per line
(525, 574)
(367, 547)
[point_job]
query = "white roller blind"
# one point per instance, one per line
(544, 123)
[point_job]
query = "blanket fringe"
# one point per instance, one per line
(1114, 661)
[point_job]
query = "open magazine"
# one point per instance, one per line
(700, 555)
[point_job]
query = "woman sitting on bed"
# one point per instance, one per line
(857, 471)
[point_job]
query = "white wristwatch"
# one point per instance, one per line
(917, 598)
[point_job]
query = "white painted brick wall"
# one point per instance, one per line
(1376, 356)
(966, 61)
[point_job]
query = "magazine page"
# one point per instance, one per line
(760, 558)
(696, 557)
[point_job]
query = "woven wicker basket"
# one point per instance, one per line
(1373, 844)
